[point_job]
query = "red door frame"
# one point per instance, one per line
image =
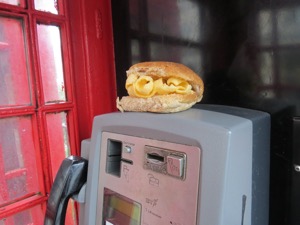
(93, 54)
(93, 64)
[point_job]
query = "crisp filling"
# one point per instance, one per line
(146, 86)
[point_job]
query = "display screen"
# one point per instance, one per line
(118, 209)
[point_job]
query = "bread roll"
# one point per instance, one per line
(161, 87)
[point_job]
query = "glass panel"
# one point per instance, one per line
(16, 186)
(46, 5)
(265, 27)
(288, 26)
(293, 95)
(33, 216)
(58, 138)
(267, 94)
(14, 82)
(180, 19)
(14, 2)
(50, 53)
(289, 66)
(190, 57)
(135, 51)
(57, 128)
(18, 169)
(266, 68)
(134, 14)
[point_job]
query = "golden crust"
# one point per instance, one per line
(166, 70)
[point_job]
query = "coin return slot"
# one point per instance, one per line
(127, 161)
(155, 158)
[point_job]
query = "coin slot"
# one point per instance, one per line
(155, 158)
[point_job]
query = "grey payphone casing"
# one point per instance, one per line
(204, 166)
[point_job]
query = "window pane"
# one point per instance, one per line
(190, 57)
(267, 94)
(179, 19)
(33, 216)
(135, 51)
(266, 68)
(289, 67)
(57, 128)
(134, 14)
(265, 27)
(14, 2)
(14, 81)
(18, 168)
(46, 5)
(50, 53)
(288, 26)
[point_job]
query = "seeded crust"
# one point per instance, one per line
(158, 103)
(163, 103)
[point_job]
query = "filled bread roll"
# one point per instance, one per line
(162, 87)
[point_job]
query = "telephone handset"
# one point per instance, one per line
(70, 178)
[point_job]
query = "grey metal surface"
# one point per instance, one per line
(226, 186)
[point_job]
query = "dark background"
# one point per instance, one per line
(248, 54)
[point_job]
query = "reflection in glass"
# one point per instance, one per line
(180, 20)
(14, 77)
(288, 26)
(135, 51)
(14, 2)
(266, 68)
(189, 20)
(134, 14)
(46, 5)
(162, 17)
(292, 96)
(32, 216)
(267, 94)
(279, 37)
(265, 27)
(190, 57)
(51, 63)
(289, 67)
(59, 145)
(58, 139)
(18, 169)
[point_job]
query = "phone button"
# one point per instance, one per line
(175, 165)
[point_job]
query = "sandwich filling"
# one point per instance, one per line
(146, 86)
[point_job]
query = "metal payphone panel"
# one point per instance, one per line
(217, 175)
(150, 181)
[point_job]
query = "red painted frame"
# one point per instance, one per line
(95, 91)
(89, 50)
(25, 111)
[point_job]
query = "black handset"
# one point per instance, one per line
(70, 177)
